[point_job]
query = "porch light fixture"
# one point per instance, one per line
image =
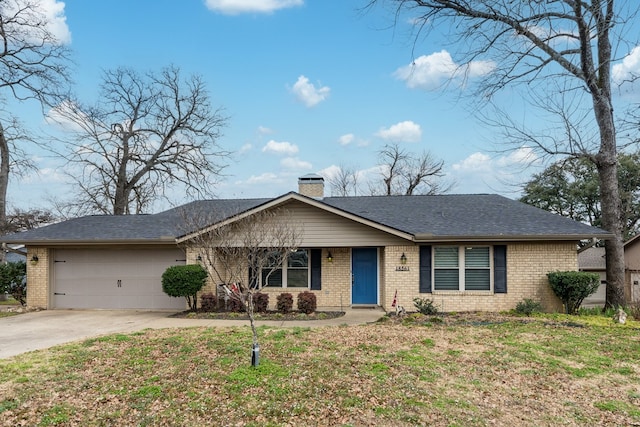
(329, 257)
(403, 258)
(199, 258)
(34, 260)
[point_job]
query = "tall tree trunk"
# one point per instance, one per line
(4, 177)
(606, 162)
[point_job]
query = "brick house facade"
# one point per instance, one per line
(465, 252)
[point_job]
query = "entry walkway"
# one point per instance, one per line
(43, 329)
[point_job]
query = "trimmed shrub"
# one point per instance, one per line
(260, 302)
(13, 281)
(208, 302)
(572, 287)
(528, 306)
(307, 302)
(234, 304)
(425, 306)
(284, 303)
(184, 281)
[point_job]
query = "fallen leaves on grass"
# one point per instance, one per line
(472, 370)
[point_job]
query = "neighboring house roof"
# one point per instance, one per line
(592, 259)
(420, 218)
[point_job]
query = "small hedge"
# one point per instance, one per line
(572, 287)
(208, 303)
(260, 302)
(284, 303)
(184, 281)
(307, 302)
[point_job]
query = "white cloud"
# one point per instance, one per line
(522, 156)
(51, 12)
(628, 69)
(264, 178)
(475, 162)
(406, 131)
(294, 163)
(56, 19)
(245, 148)
(346, 139)
(66, 116)
(481, 173)
(263, 130)
(429, 72)
(236, 7)
(285, 148)
(308, 94)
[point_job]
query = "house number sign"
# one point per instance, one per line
(402, 268)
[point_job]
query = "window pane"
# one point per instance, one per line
(476, 257)
(446, 280)
(446, 257)
(477, 280)
(298, 259)
(274, 279)
(297, 278)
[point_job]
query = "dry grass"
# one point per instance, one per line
(468, 370)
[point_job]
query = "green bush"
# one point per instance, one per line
(425, 306)
(572, 287)
(528, 306)
(184, 281)
(260, 302)
(307, 302)
(284, 302)
(13, 280)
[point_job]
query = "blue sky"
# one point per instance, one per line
(308, 85)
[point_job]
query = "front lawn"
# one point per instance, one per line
(475, 370)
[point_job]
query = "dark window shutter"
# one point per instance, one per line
(425, 269)
(500, 269)
(316, 269)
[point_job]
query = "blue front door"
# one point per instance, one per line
(364, 270)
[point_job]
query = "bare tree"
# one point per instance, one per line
(33, 65)
(344, 182)
(244, 252)
(148, 134)
(23, 220)
(547, 45)
(407, 174)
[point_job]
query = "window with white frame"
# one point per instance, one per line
(462, 268)
(294, 275)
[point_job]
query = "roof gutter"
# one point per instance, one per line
(430, 238)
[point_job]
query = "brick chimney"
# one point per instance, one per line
(311, 185)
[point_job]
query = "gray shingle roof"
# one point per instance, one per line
(445, 216)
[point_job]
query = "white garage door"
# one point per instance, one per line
(113, 278)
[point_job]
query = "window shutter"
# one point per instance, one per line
(425, 269)
(500, 269)
(316, 270)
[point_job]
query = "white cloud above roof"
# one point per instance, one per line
(282, 148)
(346, 139)
(293, 163)
(406, 131)
(236, 7)
(308, 93)
(429, 72)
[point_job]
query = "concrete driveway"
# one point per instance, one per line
(44, 329)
